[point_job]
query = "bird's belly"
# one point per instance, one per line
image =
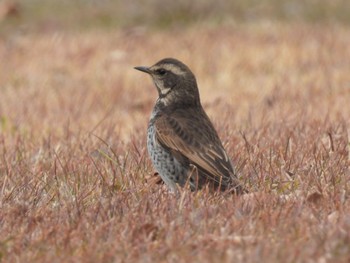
(171, 171)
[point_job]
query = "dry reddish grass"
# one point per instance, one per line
(74, 169)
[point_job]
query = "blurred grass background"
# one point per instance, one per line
(43, 15)
(74, 171)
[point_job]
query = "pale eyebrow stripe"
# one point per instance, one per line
(174, 69)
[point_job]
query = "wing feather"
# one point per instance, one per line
(200, 145)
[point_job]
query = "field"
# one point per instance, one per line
(76, 183)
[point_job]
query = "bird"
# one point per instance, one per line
(182, 142)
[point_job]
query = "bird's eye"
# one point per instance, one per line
(161, 71)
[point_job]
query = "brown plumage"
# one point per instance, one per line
(182, 142)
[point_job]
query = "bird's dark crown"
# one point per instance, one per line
(173, 65)
(175, 82)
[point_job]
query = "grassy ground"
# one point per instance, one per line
(75, 178)
(46, 15)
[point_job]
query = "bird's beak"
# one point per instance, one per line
(144, 69)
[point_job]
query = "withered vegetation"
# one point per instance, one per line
(75, 176)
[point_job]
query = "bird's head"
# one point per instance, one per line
(175, 82)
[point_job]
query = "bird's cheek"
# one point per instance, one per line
(170, 83)
(158, 84)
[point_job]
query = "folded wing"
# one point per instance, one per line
(198, 141)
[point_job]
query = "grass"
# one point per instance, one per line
(75, 177)
(81, 15)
